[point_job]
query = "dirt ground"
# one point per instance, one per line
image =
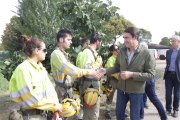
(6, 105)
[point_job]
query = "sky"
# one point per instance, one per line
(160, 17)
(6, 8)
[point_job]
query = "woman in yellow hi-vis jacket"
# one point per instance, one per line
(111, 80)
(30, 85)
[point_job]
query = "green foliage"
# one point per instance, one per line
(10, 38)
(4, 55)
(165, 41)
(104, 52)
(177, 33)
(43, 18)
(4, 84)
(11, 63)
(145, 35)
(116, 26)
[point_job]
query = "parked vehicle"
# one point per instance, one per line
(162, 53)
(154, 53)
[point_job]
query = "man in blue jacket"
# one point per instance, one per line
(172, 76)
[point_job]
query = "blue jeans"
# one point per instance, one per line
(172, 84)
(150, 92)
(144, 98)
(135, 104)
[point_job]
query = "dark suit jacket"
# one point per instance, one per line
(177, 63)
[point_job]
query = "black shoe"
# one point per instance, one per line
(108, 115)
(175, 114)
(168, 112)
(146, 105)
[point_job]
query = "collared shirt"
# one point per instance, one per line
(130, 54)
(173, 59)
(31, 87)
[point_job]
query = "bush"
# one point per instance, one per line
(4, 84)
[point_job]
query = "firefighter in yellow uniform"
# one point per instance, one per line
(77, 84)
(91, 60)
(64, 72)
(30, 85)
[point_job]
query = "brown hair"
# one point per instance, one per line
(30, 44)
(133, 31)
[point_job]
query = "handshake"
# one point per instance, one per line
(124, 75)
(98, 73)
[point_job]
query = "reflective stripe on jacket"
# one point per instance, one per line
(61, 67)
(31, 87)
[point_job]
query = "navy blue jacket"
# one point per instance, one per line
(177, 63)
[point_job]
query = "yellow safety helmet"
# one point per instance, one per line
(90, 97)
(70, 107)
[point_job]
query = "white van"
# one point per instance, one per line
(154, 53)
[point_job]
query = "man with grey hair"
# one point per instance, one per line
(172, 76)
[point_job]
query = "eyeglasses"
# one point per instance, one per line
(44, 50)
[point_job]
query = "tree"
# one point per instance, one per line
(10, 38)
(177, 33)
(43, 18)
(144, 35)
(165, 41)
(116, 26)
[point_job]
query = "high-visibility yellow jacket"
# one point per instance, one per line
(60, 67)
(88, 60)
(31, 87)
(110, 63)
(78, 60)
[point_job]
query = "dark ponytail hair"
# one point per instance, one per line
(113, 48)
(30, 44)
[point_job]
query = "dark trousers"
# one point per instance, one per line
(144, 98)
(151, 94)
(172, 85)
(135, 104)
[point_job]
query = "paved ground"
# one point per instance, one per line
(150, 113)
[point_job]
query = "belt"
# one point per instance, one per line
(172, 72)
(63, 85)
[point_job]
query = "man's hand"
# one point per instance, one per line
(101, 72)
(126, 75)
(98, 73)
